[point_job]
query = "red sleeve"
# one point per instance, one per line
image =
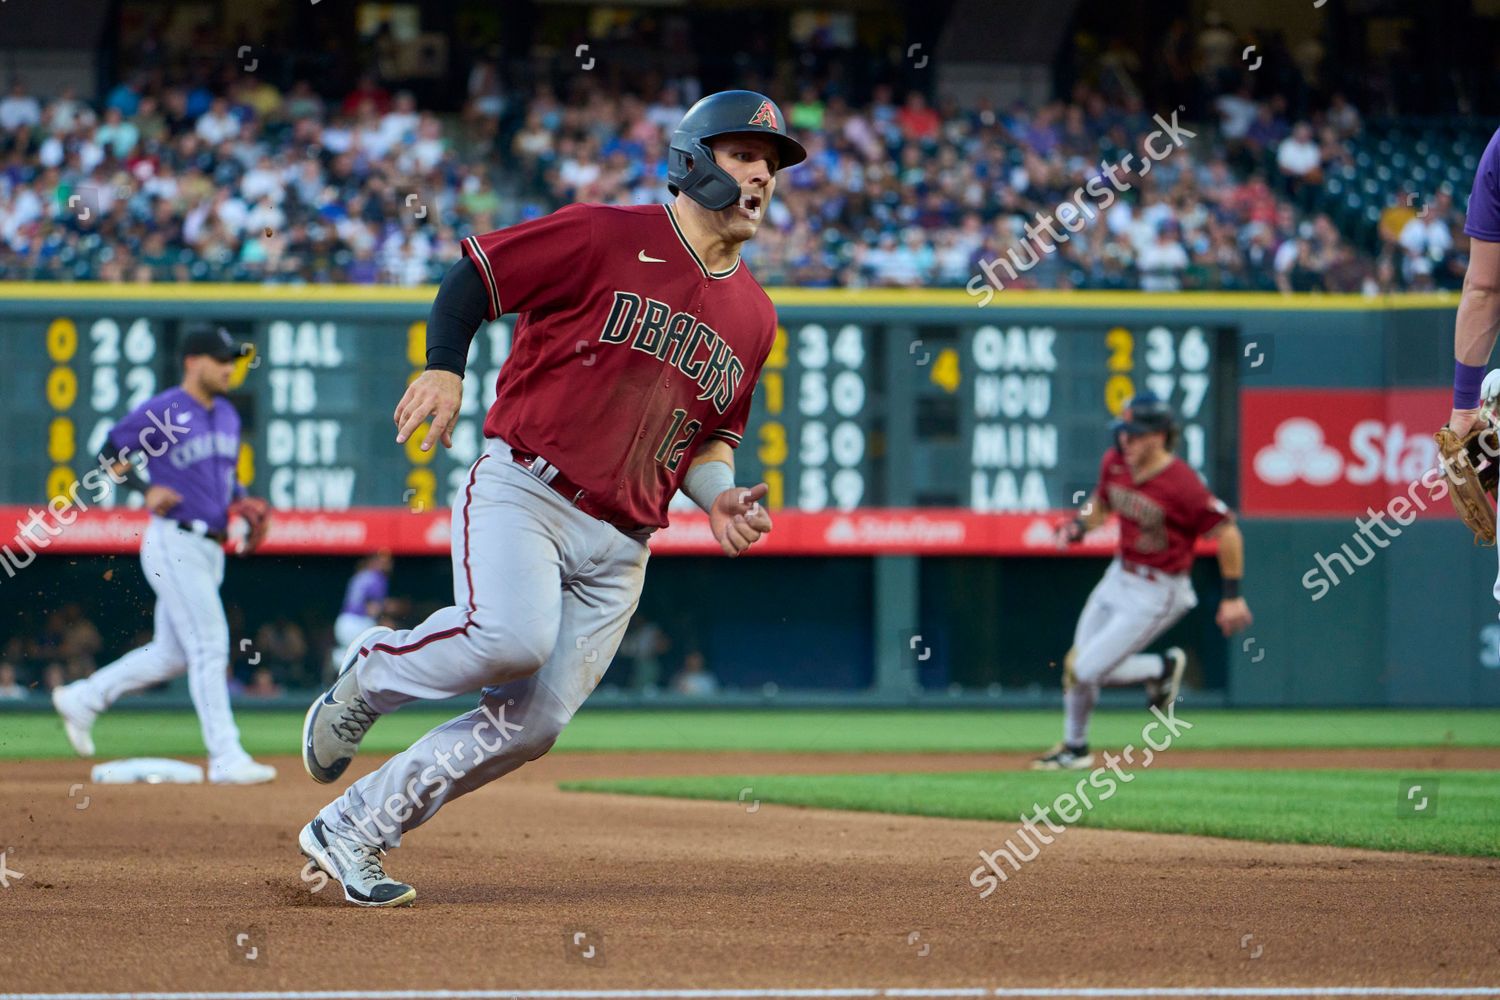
(536, 264)
(1202, 511)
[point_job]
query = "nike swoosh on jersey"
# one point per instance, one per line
(649, 260)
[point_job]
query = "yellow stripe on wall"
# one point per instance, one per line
(339, 294)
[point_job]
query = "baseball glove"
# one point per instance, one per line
(256, 514)
(1470, 463)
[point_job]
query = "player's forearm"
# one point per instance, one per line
(1478, 321)
(121, 470)
(1231, 554)
(457, 311)
(709, 474)
(1095, 513)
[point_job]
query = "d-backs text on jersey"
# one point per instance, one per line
(679, 339)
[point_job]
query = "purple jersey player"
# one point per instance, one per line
(1479, 308)
(364, 601)
(192, 435)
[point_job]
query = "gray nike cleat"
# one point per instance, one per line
(355, 866)
(338, 719)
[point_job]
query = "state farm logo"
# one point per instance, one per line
(1298, 452)
(1376, 451)
(842, 532)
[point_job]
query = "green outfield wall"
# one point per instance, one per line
(883, 408)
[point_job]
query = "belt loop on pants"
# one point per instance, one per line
(551, 475)
(575, 495)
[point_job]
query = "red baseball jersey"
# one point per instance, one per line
(628, 353)
(1161, 518)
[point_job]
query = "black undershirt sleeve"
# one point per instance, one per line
(457, 311)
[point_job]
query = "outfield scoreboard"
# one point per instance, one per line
(316, 398)
(849, 413)
(984, 416)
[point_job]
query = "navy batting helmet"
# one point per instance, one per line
(690, 163)
(1147, 413)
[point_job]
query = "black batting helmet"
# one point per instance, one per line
(215, 341)
(690, 163)
(1147, 413)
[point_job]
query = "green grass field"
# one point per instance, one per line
(1341, 808)
(1349, 808)
(123, 733)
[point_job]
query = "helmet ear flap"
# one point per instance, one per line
(692, 171)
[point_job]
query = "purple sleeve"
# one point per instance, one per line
(127, 433)
(1483, 222)
(366, 587)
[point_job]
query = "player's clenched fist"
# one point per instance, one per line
(1234, 615)
(435, 394)
(737, 518)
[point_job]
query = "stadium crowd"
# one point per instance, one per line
(298, 652)
(66, 646)
(162, 181)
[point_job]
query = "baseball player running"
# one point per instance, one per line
(192, 434)
(639, 342)
(1164, 509)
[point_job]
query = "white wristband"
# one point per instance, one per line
(705, 481)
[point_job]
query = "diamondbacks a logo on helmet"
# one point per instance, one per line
(766, 115)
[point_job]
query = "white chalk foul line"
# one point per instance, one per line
(793, 994)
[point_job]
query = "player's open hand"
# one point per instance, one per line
(160, 499)
(738, 520)
(435, 394)
(1234, 616)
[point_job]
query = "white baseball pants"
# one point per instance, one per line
(1123, 615)
(191, 635)
(542, 595)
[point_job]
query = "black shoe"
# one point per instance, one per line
(1162, 691)
(1065, 758)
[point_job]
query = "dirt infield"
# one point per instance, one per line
(148, 888)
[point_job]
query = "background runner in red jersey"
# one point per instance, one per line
(1164, 508)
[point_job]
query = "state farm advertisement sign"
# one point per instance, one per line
(1338, 451)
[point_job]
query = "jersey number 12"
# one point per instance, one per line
(672, 446)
